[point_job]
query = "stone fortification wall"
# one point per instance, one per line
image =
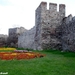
(13, 36)
(26, 40)
(44, 34)
(46, 31)
(47, 22)
(52, 29)
(3, 40)
(68, 33)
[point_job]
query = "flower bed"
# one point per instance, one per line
(7, 48)
(18, 56)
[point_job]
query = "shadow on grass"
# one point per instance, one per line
(66, 54)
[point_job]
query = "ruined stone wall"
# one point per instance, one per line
(3, 40)
(68, 33)
(47, 22)
(26, 40)
(13, 36)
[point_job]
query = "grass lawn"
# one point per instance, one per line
(54, 63)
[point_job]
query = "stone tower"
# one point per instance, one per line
(47, 22)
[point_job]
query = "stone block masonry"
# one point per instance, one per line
(47, 21)
(43, 35)
(13, 36)
(68, 34)
(52, 30)
(26, 40)
(3, 40)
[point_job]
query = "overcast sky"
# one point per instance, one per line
(16, 13)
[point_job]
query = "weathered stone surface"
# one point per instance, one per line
(52, 30)
(13, 36)
(3, 40)
(68, 34)
(44, 34)
(47, 21)
(26, 40)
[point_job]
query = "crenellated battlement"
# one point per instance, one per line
(47, 21)
(62, 9)
(42, 6)
(52, 7)
(43, 3)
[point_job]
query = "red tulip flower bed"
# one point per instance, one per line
(18, 56)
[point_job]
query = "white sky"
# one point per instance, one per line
(16, 13)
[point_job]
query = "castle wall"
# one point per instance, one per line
(13, 36)
(44, 34)
(47, 21)
(3, 40)
(52, 30)
(37, 24)
(26, 40)
(68, 33)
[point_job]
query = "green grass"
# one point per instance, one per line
(54, 63)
